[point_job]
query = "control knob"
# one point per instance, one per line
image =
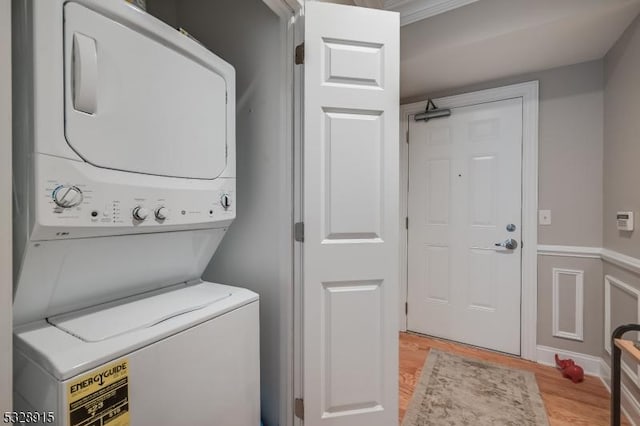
(140, 213)
(225, 200)
(162, 213)
(66, 196)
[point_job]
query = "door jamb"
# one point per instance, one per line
(288, 11)
(529, 297)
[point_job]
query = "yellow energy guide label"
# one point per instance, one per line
(101, 397)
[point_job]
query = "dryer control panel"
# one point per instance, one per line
(71, 204)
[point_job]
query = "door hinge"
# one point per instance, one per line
(298, 408)
(298, 232)
(407, 136)
(299, 54)
(406, 222)
(406, 308)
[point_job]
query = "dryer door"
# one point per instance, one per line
(137, 103)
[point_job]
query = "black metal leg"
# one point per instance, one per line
(616, 355)
(615, 385)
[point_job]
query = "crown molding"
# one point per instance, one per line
(415, 10)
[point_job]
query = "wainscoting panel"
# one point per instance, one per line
(568, 303)
(610, 284)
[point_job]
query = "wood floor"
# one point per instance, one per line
(586, 403)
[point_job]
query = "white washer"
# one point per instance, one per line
(187, 355)
(124, 168)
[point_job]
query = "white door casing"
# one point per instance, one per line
(351, 212)
(528, 91)
(464, 189)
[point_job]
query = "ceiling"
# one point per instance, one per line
(490, 39)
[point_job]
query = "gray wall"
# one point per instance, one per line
(256, 253)
(165, 10)
(622, 139)
(6, 280)
(622, 172)
(570, 150)
(570, 185)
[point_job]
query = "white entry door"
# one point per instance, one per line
(465, 193)
(351, 216)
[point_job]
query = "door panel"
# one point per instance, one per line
(353, 367)
(464, 189)
(353, 194)
(351, 247)
(167, 118)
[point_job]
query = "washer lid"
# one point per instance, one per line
(128, 315)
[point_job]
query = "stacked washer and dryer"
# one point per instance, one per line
(124, 182)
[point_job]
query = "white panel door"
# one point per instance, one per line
(351, 213)
(464, 198)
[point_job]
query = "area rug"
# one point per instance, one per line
(455, 390)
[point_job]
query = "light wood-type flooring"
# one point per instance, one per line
(586, 403)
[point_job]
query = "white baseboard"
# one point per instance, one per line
(589, 363)
(630, 405)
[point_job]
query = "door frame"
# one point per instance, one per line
(529, 295)
(290, 13)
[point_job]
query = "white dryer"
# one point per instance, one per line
(124, 172)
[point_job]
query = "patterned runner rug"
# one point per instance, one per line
(455, 390)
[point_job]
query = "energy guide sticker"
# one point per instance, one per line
(100, 398)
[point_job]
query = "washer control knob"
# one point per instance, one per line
(225, 200)
(66, 196)
(162, 213)
(140, 213)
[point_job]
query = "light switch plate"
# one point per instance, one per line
(544, 217)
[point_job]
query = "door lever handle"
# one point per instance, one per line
(509, 244)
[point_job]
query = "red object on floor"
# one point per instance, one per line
(570, 369)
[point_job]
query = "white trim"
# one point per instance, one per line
(298, 160)
(415, 10)
(622, 260)
(589, 363)
(608, 282)
(287, 317)
(578, 334)
(286, 10)
(629, 404)
(569, 251)
(529, 94)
